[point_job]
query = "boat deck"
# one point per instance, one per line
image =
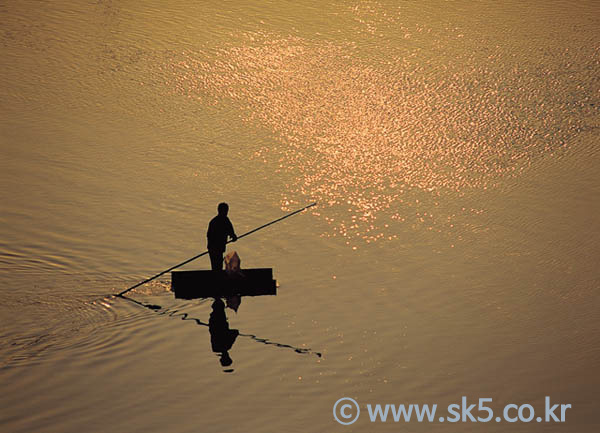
(213, 284)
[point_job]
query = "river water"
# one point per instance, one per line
(453, 150)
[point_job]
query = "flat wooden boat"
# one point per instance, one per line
(214, 284)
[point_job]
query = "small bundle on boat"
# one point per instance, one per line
(231, 282)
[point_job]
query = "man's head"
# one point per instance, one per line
(223, 208)
(226, 360)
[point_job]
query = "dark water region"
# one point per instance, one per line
(452, 148)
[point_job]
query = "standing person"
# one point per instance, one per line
(219, 229)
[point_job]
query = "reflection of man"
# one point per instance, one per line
(221, 337)
(219, 229)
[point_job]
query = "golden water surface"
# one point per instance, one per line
(453, 150)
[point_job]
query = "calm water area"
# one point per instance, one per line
(453, 148)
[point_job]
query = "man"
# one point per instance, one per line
(219, 229)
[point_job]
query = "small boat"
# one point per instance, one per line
(216, 284)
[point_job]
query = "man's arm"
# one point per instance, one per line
(231, 231)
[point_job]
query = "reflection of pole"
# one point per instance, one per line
(186, 316)
(286, 346)
(206, 252)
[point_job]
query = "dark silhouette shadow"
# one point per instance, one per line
(221, 336)
(185, 316)
(219, 229)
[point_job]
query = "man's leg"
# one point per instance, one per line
(216, 260)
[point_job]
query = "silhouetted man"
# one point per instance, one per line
(219, 229)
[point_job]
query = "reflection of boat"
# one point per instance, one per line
(210, 284)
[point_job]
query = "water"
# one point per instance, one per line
(453, 150)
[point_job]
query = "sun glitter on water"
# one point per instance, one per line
(381, 142)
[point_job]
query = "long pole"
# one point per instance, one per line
(206, 252)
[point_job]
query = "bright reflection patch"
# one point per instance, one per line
(387, 136)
